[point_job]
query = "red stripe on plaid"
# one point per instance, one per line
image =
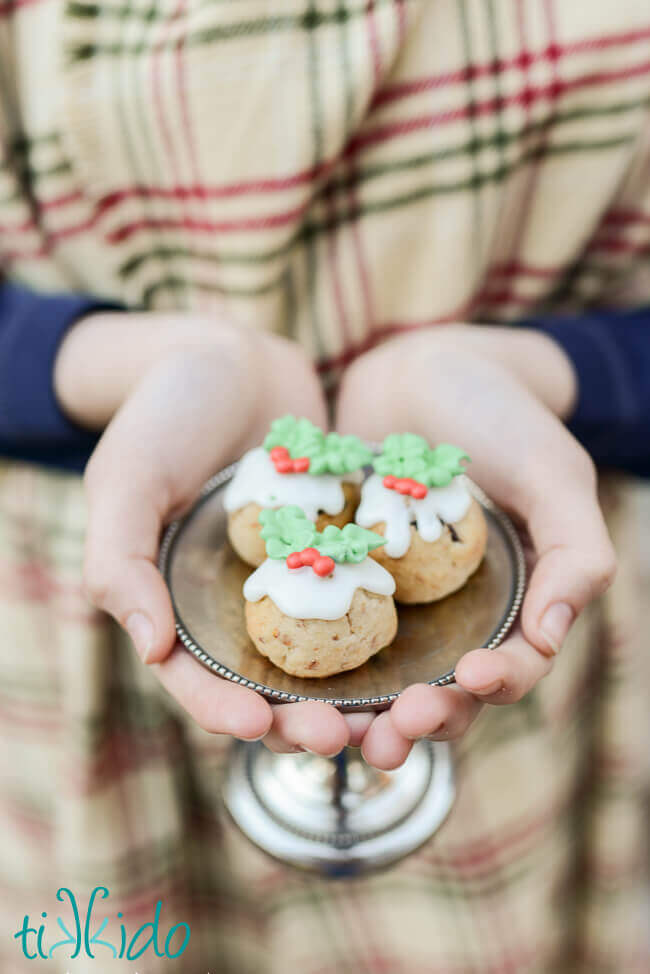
(529, 94)
(33, 577)
(270, 222)
(186, 223)
(38, 828)
(31, 582)
(248, 187)
(484, 294)
(524, 59)
(15, 713)
(357, 144)
(333, 261)
(480, 858)
(362, 270)
(185, 115)
(8, 7)
(401, 21)
(531, 174)
(619, 245)
(373, 38)
(518, 268)
(43, 206)
(507, 296)
(624, 217)
(157, 49)
(116, 757)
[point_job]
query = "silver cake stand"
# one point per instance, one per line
(335, 815)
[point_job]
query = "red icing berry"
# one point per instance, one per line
(284, 466)
(403, 486)
(279, 453)
(323, 566)
(294, 560)
(301, 464)
(308, 556)
(406, 485)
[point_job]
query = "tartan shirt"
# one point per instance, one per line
(339, 171)
(609, 350)
(336, 171)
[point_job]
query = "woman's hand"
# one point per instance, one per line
(180, 396)
(498, 393)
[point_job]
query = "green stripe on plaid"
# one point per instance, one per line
(290, 303)
(313, 55)
(369, 172)
(500, 139)
(27, 142)
(476, 182)
(313, 228)
(365, 173)
(311, 20)
(139, 135)
(183, 284)
(129, 770)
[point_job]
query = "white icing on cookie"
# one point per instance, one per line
(256, 481)
(302, 594)
(398, 511)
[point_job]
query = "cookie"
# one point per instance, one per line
(297, 465)
(319, 647)
(430, 570)
(318, 604)
(244, 528)
(420, 501)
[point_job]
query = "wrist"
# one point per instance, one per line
(106, 354)
(535, 359)
(542, 365)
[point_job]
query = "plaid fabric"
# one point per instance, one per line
(540, 867)
(338, 170)
(280, 161)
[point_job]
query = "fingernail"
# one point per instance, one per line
(437, 735)
(555, 624)
(425, 737)
(140, 629)
(493, 687)
(318, 753)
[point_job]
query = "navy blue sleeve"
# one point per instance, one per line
(32, 424)
(610, 351)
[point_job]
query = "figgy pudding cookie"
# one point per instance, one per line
(318, 605)
(435, 530)
(298, 465)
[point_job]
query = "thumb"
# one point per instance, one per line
(120, 575)
(576, 560)
(150, 463)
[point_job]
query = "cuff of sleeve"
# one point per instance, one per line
(35, 325)
(603, 396)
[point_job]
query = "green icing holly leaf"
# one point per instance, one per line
(350, 543)
(285, 530)
(408, 455)
(403, 455)
(299, 436)
(329, 453)
(443, 464)
(340, 455)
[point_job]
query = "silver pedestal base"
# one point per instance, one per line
(338, 816)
